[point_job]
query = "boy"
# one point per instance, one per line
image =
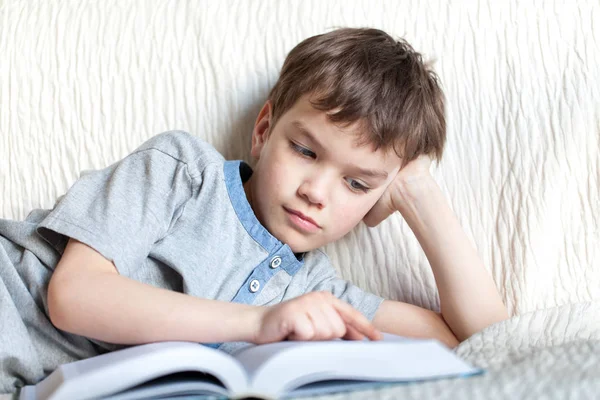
(174, 243)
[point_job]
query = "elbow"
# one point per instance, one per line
(504, 314)
(444, 332)
(59, 303)
(482, 323)
(451, 341)
(451, 338)
(498, 315)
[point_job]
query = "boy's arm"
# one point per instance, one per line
(88, 297)
(412, 321)
(469, 300)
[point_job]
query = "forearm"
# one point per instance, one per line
(469, 299)
(115, 309)
(412, 321)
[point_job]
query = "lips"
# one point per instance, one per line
(304, 217)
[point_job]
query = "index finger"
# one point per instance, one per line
(356, 320)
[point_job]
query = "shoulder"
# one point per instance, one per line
(183, 147)
(317, 257)
(318, 265)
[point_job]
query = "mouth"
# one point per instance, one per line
(303, 221)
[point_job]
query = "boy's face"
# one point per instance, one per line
(310, 169)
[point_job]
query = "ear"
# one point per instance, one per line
(261, 130)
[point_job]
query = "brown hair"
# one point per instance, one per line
(365, 75)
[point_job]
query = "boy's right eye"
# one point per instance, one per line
(302, 150)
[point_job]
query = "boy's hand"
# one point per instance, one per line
(411, 174)
(313, 316)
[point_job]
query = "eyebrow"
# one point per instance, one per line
(361, 171)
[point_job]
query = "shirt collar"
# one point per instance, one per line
(236, 173)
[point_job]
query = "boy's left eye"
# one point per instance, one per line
(302, 150)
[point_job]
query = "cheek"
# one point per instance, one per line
(279, 175)
(284, 168)
(351, 213)
(276, 176)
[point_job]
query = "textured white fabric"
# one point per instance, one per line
(84, 83)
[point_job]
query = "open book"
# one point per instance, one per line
(284, 369)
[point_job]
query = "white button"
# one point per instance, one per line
(254, 285)
(275, 262)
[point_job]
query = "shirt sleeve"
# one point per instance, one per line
(122, 210)
(323, 277)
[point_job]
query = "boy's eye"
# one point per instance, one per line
(355, 185)
(302, 150)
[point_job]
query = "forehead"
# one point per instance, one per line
(344, 139)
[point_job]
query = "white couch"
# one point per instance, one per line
(84, 83)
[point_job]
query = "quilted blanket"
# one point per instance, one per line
(546, 354)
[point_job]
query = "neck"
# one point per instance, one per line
(248, 191)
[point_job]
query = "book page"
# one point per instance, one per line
(254, 359)
(121, 370)
(280, 367)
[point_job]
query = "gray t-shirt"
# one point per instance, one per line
(172, 214)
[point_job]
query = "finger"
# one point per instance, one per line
(302, 328)
(320, 323)
(367, 330)
(335, 323)
(353, 334)
(327, 323)
(355, 319)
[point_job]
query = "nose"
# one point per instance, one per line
(314, 189)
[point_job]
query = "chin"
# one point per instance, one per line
(296, 241)
(301, 249)
(297, 246)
